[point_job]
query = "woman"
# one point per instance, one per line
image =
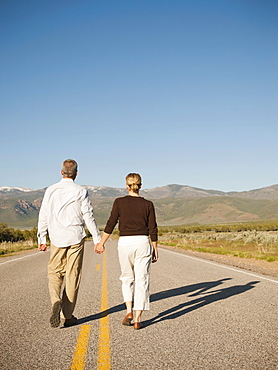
(137, 222)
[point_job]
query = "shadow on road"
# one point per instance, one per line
(200, 289)
(196, 288)
(186, 307)
(119, 307)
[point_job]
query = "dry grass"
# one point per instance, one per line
(13, 247)
(261, 245)
(246, 244)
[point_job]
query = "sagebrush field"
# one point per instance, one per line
(246, 240)
(257, 240)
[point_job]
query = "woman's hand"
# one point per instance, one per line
(99, 248)
(155, 255)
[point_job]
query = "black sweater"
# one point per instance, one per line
(136, 216)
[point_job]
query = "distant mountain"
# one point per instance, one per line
(8, 189)
(212, 210)
(20, 210)
(104, 191)
(180, 191)
(185, 191)
(269, 192)
(168, 191)
(175, 204)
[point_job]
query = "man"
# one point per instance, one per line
(64, 210)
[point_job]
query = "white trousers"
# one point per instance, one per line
(135, 255)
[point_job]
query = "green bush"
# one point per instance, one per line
(8, 234)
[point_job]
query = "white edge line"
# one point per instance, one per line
(221, 265)
(20, 258)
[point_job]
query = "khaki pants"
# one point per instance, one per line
(65, 263)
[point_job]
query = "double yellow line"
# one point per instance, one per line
(104, 336)
(79, 357)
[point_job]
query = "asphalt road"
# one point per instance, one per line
(203, 315)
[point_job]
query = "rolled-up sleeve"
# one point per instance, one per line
(42, 222)
(88, 216)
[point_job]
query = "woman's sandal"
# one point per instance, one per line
(127, 320)
(138, 325)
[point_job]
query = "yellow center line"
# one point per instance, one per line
(79, 357)
(104, 334)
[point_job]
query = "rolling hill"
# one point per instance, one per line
(212, 210)
(175, 204)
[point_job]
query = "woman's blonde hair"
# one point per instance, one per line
(134, 181)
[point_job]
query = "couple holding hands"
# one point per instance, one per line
(64, 210)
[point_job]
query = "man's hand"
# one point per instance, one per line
(99, 248)
(42, 247)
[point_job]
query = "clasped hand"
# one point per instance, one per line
(99, 248)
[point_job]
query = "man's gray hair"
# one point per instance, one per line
(69, 168)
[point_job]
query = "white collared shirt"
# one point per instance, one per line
(65, 210)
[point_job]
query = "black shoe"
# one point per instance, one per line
(70, 322)
(55, 315)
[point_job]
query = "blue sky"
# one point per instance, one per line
(181, 91)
